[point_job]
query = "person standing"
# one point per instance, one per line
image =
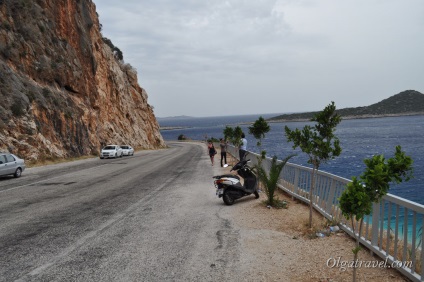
(243, 146)
(223, 145)
(211, 151)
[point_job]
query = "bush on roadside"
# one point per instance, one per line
(182, 137)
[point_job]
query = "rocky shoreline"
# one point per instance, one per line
(173, 127)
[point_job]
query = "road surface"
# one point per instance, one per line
(150, 217)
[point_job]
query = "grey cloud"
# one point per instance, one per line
(277, 50)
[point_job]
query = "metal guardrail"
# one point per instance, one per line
(394, 230)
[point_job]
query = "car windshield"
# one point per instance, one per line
(109, 148)
(124, 147)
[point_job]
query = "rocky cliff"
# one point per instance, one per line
(63, 91)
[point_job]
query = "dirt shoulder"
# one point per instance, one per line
(277, 245)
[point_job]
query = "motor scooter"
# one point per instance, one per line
(228, 186)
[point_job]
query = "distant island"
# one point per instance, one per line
(175, 118)
(409, 102)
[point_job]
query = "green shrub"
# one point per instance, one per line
(116, 51)
(6, 26)
(46, 92)
(357, 199)
(17, 109)
(31, 96)
(7, 52)
(2, 125)
(68, 114)
(182, 137)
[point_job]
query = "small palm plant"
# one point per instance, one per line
(270, 180)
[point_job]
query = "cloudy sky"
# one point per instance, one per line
(232, 57)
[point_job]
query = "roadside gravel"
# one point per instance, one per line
(276, 245)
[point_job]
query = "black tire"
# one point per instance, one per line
(228, 200)
(256, 195)
(101, 158)
(18, 172)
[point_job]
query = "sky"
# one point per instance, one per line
(235, 57)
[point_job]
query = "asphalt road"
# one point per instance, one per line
(150, 217)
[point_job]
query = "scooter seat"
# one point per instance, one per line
(226, 176)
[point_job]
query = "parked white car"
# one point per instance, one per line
(127, 150)
(11, 165)
(111, 151)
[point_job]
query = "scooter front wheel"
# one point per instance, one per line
(228, 200)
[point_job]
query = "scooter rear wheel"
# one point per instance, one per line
(256, 195)
(228, 200)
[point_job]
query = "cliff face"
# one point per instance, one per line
(63, 91)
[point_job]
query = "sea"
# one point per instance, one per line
(359, 139)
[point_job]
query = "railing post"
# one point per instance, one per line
(296, 181)
(330, 200)
(375, 225)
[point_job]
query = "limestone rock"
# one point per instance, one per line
(64, 92)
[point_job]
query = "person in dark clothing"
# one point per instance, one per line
(211, 151)
(223, 146)
(243, 147)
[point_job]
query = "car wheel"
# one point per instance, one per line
(228, 200)
(122, 154)
(18, 172)
(116, 155)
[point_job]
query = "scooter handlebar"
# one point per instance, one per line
(240, 164)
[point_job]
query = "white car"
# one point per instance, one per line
(111, 151)
(11, 165)
(127, 150)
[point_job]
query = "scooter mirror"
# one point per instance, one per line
(226, 165)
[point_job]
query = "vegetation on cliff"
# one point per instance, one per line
(408, 102)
